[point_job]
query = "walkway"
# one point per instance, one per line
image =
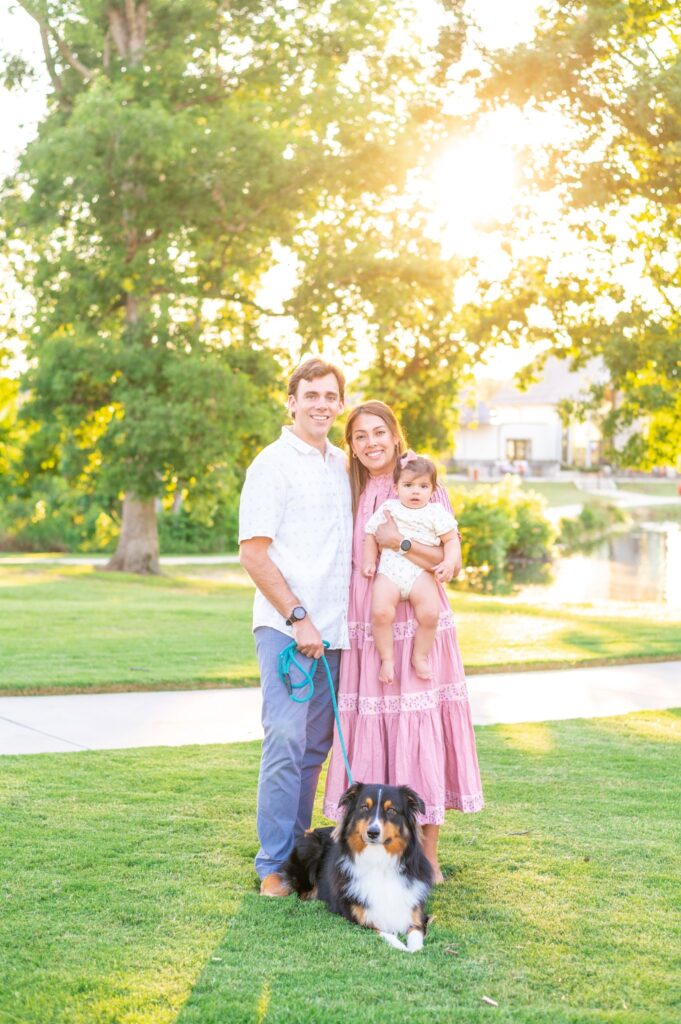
(110, 721)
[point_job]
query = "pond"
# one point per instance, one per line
(643, 564)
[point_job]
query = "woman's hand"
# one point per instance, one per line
(446, 571)
(387, 534)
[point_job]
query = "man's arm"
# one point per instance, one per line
(254, 557)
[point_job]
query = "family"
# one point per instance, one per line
(353, 550)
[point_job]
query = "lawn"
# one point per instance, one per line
(658, 488)
(555, 493)
(74, 629)
(128, 894)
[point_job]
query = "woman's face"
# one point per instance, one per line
(373, 443)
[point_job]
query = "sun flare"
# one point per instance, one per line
(473, 183)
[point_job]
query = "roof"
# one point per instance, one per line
(557, 382)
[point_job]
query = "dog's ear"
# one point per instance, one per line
(350, 794)
(413, 800)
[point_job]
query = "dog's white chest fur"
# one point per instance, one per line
(374, 880)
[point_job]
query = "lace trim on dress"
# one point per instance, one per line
(401, 630)
(435, 813)
(394, 704)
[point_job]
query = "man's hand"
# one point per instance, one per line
(308, 638)
(387, 534)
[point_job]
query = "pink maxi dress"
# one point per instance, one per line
(412, 732)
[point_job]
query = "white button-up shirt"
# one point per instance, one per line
(301, 500)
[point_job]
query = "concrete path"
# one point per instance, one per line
(28, 560)
(37, 725)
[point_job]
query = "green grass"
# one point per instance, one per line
(74, 629)
(659, 488)
(128, 897)
(555, 493)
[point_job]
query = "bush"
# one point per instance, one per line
(183, 533)
(55, 518)
(506, 539)
(593, 524)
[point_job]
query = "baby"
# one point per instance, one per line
(398, 578)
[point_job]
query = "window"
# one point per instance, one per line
(518, 449)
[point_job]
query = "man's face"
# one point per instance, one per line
(315, 406)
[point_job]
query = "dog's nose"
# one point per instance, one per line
(374, 831)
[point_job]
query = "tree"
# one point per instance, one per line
(186, 143)
(613, 70)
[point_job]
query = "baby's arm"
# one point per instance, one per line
(450, 566)
(369, 555)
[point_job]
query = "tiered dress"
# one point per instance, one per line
(411, 732)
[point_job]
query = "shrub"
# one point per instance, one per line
(184, 533)
(593, 524)
(506, 538)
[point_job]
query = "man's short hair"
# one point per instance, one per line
(311, 369)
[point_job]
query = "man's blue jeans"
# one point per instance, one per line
(297, 739)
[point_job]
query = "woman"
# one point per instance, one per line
(415, 732)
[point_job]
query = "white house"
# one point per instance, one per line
(525, 429)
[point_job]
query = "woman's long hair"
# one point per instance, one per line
(358, 472)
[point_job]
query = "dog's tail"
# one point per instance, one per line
(304, 865)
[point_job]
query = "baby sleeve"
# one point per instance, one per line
(376, 520)
(443, 521)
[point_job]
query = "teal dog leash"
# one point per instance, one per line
(287, 660)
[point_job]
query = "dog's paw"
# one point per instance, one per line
(415, 941)
(393, 941)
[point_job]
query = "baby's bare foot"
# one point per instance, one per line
(421, 666)
(386, 673)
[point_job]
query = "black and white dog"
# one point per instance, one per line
(371, 868)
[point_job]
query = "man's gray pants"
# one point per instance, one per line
(297, 739)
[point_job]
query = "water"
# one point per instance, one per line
(641, 565)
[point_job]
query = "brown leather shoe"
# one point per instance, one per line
(274, 885)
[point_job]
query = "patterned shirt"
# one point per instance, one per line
(301, 500)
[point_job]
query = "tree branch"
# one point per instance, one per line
(249, 302)
(64, 50)
(49, 61)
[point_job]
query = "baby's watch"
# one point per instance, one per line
(405, 545)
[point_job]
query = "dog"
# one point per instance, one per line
(371, 868)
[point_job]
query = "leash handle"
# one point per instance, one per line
(287, 659)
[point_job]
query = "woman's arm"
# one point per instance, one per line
(424, 555)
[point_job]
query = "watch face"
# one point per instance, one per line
(298, 613)
(405, 545)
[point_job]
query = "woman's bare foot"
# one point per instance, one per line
(386, 674)
(431, 834)
(421, 666)
(438, 877)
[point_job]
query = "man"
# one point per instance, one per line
(295, 535)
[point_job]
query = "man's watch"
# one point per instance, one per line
(296, 615)
(405, 545)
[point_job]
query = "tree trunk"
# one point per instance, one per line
(137, 549)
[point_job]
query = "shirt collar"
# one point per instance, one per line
(304, 448)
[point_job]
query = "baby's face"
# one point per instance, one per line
(414, 491)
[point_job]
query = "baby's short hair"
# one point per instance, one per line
(416, 466)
